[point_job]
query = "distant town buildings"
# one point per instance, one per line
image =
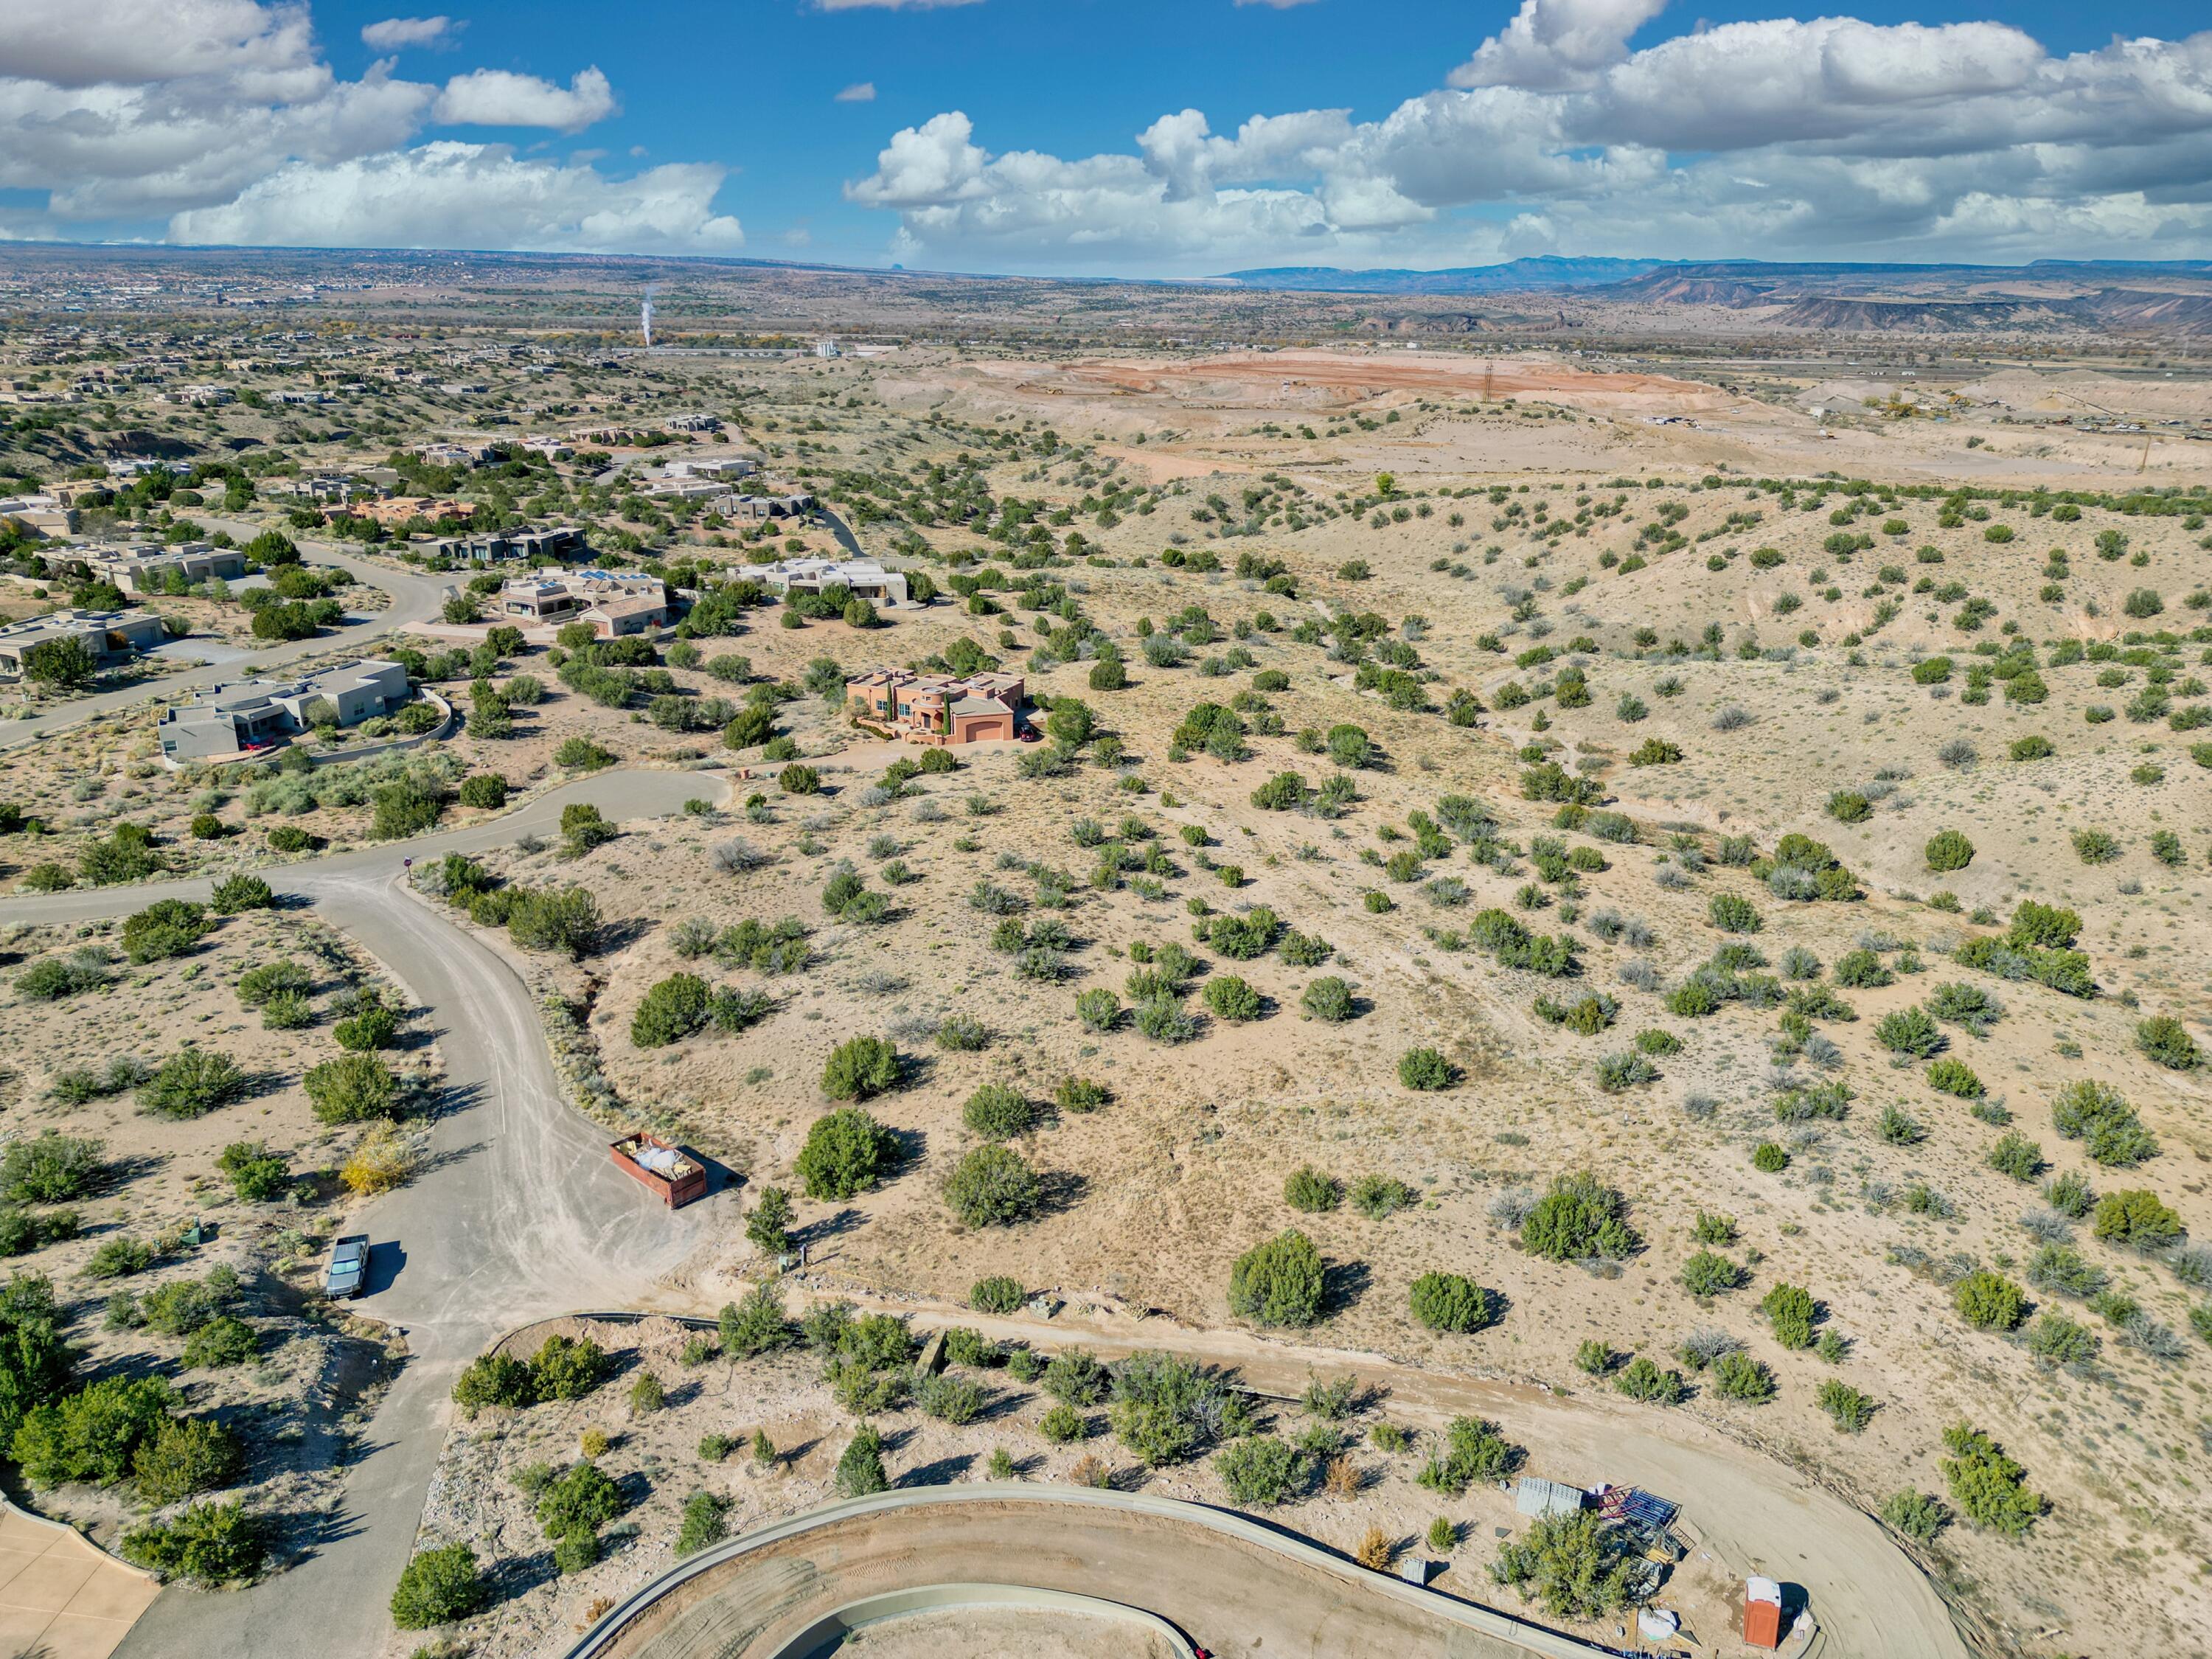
(863, 578)
(943, 709)
(226, 720)
(111, 636)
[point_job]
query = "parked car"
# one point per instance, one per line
(349, 1266)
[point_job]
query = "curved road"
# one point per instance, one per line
(520, 1215)
(414, 600)
(1228, 1583)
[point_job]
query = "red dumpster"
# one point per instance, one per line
(661, 1169)
(1762, 1614)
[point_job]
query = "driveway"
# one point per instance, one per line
(60, 1598)
(519, 1215)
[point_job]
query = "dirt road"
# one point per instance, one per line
(519, 1214)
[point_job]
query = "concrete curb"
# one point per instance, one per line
(1497, 1626)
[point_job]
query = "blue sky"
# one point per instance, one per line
(1394, 132)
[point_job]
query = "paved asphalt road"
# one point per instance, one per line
(414, 600)
(521, 1217)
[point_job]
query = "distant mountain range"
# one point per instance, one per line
(1707, 281)
(1514, 276)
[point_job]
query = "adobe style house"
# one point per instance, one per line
(498, 547)
(863, 578)
(614, 604)
(937, 709)
(140, 568)
(111, 636)
(226, 720)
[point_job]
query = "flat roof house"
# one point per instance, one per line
(614, 604)
(224, 720)
(727, 466)
(686, 489)
(865, 578)
(773, 506)
(495, 547)
(943, 709)
(41, 513)
(147, 569)
(111, 635)
(455, 454)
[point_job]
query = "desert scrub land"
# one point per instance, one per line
(1698, 917)
(187, 1396)
(1538, 989)
(626, 1447)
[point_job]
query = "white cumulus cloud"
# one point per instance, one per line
(220, 120)
(1557, 43)
(499, 98)
(394, 34)
(1828, 138)
(470, 196)
(84, 43)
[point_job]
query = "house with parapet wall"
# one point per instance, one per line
(943, 709)
(225, 720)
(863, 578)
(143, 568)
(41, 513)
(615, 604)
(496, 547)
(111, 637)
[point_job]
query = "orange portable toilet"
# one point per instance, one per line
(1762, 1614)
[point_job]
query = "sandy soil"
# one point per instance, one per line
(1157, 1193)
(999, 1633)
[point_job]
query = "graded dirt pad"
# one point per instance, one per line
(1000, 1633)
(1230, 1596)
(1323, 378)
